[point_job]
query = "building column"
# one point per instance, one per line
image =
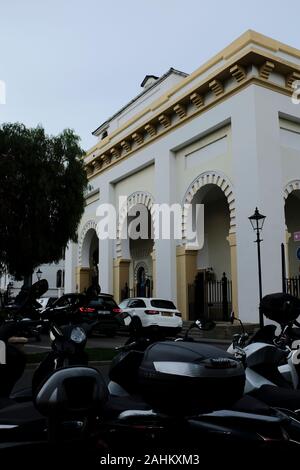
(165, 249)
(83, 278)
(257, 173)
(106, 258)
(186, 273)
(153, 256)
(121, 277)
(234, 278)
(70, 268)
(287, 252)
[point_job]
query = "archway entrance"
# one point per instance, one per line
(135, 249)
(211, 293)
(141, 246)
(292, 220)
(88, 272)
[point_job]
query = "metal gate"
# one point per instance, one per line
(292, 286)
(210, 298)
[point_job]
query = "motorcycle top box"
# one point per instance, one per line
(280, 307)
(186, 378)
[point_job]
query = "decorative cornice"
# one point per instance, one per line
(126, 145)
(151, 129)
(238, 72)
(289, 80)
(138, 138)
(197, 100)
(180, 110)
(115, 152)
(216, 87)
(194, 102)
(266, 69)
(165, 120)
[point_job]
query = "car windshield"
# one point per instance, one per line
(103, 303)
(160, 303)
(123, 304)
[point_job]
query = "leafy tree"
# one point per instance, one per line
(42, 183)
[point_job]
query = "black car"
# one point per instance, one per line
(76, 308)
(105, 310)
(65, 309)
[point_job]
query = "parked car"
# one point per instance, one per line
(65, 309)
(46, 302)
(153, 313)
(104, 309)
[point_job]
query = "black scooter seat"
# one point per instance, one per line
(278, 397)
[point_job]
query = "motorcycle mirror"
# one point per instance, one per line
(205, 324)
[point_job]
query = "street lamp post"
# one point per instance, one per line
(257, 221)
(39, 274)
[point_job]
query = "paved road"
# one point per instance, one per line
(94, 342)
(97, 342)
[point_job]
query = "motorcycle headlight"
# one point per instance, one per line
(78, 335)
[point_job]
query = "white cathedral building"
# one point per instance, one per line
(226, 136)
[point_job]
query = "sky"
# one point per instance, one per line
(72, 63)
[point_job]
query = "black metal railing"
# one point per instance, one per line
(210, 298)
(292, 286)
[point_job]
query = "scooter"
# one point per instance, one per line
(24, 313)
(136, 414)
(272, 367)
(73, 405)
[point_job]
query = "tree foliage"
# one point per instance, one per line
(42, 183)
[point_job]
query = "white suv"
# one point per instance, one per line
(153, 312)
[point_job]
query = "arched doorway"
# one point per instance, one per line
(135, 248)
(88, 270)
(202, 287)
(292, 220)
(141, 246)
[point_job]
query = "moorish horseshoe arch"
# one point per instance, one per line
(209, 177)
(293, 185)
(138, 197)
(141, 264)
(90, 224)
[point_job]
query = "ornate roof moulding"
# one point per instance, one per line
(197, 100)
(115, 152)
(97, 164)
(106, 158)
(150, 129)
(291, 78)
(138, 138)
(165, 120)
(180, 110)
(238, 72)
(216, 87)
(266, 69)
(126, 145)
(89, 169)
